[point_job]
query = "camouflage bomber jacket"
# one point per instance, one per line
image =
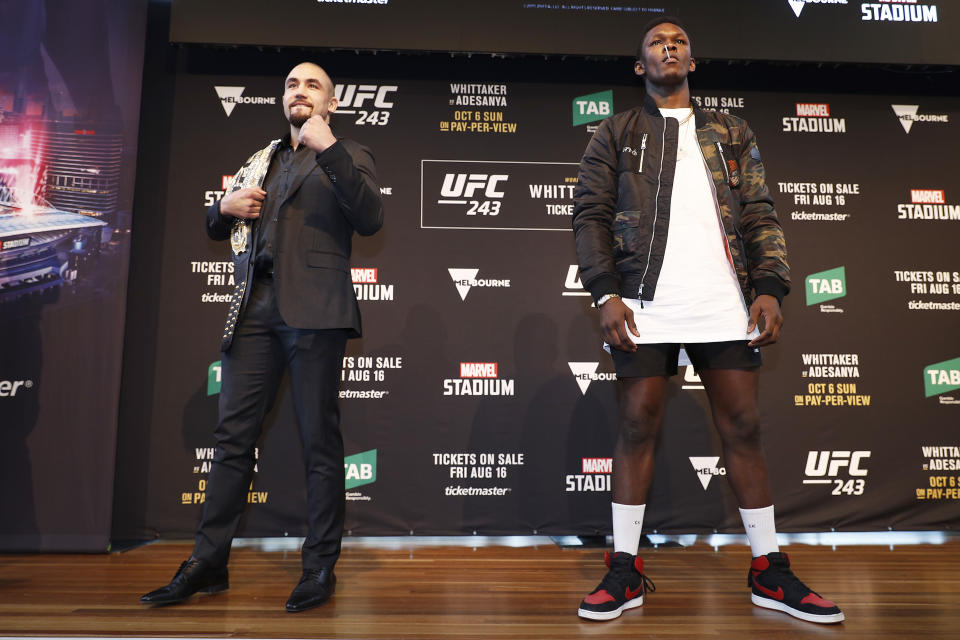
(621, 212)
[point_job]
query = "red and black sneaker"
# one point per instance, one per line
(774, 586)
(622, 588)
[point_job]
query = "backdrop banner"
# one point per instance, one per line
(480, 400)
(70, 75)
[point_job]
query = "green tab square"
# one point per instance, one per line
(941, 377)
(360, 469)
(826, 285)
(592, 107)
(213, 378)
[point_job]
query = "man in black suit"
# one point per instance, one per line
(294, 307)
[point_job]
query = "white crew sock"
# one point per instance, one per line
(761, 530)
(627, 524)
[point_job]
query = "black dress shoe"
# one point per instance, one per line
(192, 576)
(315, 587)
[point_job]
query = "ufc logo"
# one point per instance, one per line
(352, 95)
(573, 278)
(457, 185)
(829, 463)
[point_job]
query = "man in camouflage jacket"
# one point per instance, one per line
(668, 169)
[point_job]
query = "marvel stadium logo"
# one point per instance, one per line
(479, 379)
(366, 284)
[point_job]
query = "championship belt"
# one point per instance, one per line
(251, 174)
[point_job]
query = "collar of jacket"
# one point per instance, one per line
(651, 108)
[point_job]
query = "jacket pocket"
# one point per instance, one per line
(327, 260)
(628, 236)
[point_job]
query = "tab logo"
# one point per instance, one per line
(586, 372)
(360, 469)
(592, 107)
(826, 285)
(230, 97)
(941, 377)
(213, 378)
(706, 468)
(907, 115)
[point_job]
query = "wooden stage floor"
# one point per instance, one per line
(489, 592)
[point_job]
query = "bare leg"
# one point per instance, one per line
(642, 403)
(733, 401)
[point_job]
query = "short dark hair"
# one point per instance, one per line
(657, 21)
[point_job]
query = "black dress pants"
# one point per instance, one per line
(251, 370)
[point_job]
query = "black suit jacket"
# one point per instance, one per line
(333, 194)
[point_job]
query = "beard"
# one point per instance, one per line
(298, 120)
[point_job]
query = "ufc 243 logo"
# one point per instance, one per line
(845, 470)
(369, 102)
(463, 188)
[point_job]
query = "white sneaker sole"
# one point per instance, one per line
(610, 615)
(768, 603)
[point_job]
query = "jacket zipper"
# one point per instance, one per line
(656, 201)
(716, 199)
(723, 161)
(643, 149)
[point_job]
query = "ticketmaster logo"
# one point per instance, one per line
(230, 97)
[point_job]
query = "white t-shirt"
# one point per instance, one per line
(698, 297)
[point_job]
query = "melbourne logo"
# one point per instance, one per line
(940, 378)
(826, 285)
(592, 107)
(360, 469)
(366, 285)
(213, 378)
(230, 97)
(594, 476)
(798, 5)
(466, 279)
(907, 115)
(706, 468)
(928, 204)
(827, 467)
(898, 11)
(814, 117)
(478, 379)
(586, 372)
(371, 103)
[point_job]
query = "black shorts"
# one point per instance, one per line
(661, 359)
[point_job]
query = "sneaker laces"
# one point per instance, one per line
(620, 574)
